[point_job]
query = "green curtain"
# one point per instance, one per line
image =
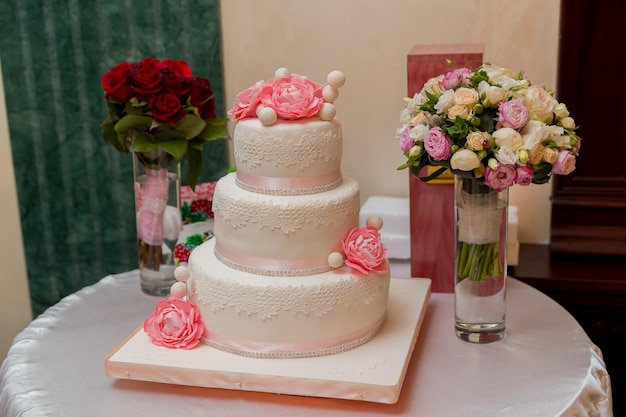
(75, 192)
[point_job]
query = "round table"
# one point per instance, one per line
(546, 366)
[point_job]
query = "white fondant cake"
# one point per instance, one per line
(273, 281)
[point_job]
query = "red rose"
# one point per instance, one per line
(202, 98)
(166, 108)
(116, 82)
(174, 84)
(176, 67)
(146, 79)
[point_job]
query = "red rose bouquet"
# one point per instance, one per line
(159, 105)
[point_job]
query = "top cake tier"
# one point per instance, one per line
(287, 140)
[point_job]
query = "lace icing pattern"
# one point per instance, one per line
(331, 350)
(238, 212)
(314, 144)
(268, 301)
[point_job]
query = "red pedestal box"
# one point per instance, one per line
(432, 204)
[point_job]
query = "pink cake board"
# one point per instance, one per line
(372, 372)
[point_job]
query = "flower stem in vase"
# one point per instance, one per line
(481, 215)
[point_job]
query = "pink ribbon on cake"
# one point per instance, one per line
(271, 267)
(273, 350)
(289, 186)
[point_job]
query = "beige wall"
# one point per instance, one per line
(15, 311)
(369, 40)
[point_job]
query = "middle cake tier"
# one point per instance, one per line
(282, 235)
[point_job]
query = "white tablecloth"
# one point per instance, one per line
(547, 366)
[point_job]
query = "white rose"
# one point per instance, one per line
(506, 155)
(567, 122)
(507, 137)
(533, 134)
(445, 102)
(492, 93)
(464, 160)
(507, 82)
(418, 133)
(555, 133)
(494, 72)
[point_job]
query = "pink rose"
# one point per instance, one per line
(406, 142)
(456, 77)
(513, 114)
(501, 178)
(175, 323)
(364, 250)
(292, 97)
(524, 175)
(565, 163)
(437, 144)
(247, 102)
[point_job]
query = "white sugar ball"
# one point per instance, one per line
(330, 93)
(327, 111)
(258, 109)
(267, 116)
(281, 72)
(375, 221)
(335, 260)
(182, 273)
(336, 79)
(178, 289)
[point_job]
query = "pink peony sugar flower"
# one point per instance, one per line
(513, 114)
(524, 175)
(364, 250)
(175, 323)
(501, 178)
(565, 163)
(437, 144)
(456, 77)
(247, 102)
(406, 141)
(292, 97)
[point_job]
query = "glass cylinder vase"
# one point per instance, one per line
(157, 206)
(480, 261)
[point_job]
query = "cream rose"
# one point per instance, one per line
(535, 155)
(464, 160)
(560, 111)
(550, 155)
(476, 140)
(460, 111)
(540, 104)
(533, 134)
(466, 97)
(432, 86)
(567, 122)
(494, 72)
(420, 118)
(508, 137)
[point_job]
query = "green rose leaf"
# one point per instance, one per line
(140, 142)
(175, 147)
(167, 135)
(194, 157)
(110, 136)
(190, 125)
(215, 129)
(133, 121)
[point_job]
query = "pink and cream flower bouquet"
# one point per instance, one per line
(489, 124)
(493, 129)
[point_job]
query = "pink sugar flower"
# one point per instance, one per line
(364, 250)
(292, 97)
(247, 102)
(175, 323)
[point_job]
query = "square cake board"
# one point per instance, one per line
(371, 372)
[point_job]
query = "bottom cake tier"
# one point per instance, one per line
(285, 317)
